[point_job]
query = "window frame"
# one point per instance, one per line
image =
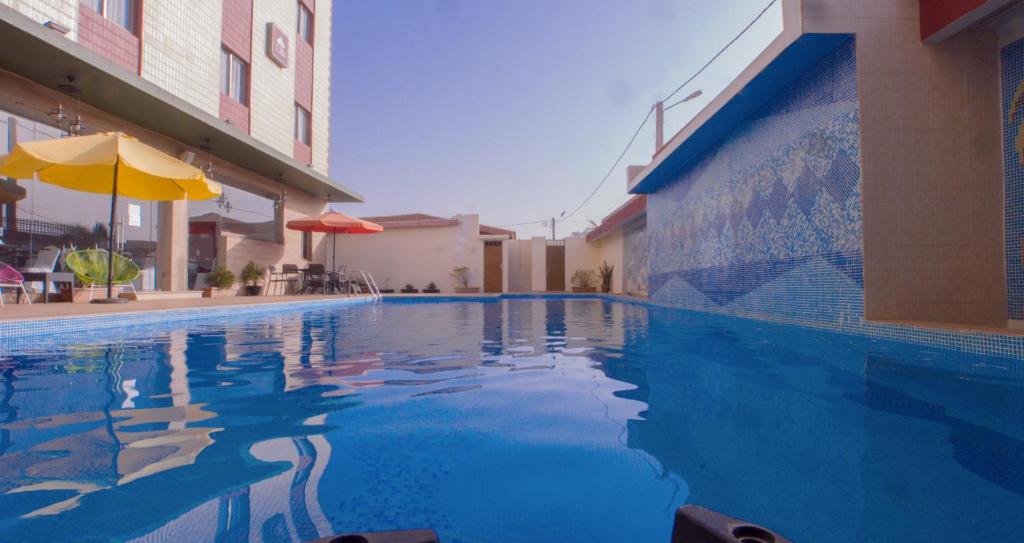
(228, 62)
(307, 134)
(305, 34)
(102, 7)
(307, 245)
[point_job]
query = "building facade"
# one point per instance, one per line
(240, 88)
(861, 174)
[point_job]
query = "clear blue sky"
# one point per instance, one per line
(515, 109)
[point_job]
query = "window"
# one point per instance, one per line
(121, 12)
(307, 246)
(305, 26)
(302, 122)
(234, 77)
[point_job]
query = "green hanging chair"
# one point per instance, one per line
(90, 267)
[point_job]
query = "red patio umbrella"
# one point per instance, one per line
(334, 222)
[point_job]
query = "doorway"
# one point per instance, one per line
(492, 266)
(555, 266)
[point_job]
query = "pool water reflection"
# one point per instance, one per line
(526, 419)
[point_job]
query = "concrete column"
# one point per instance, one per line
(172, 246)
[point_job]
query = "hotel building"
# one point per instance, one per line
(240, 88)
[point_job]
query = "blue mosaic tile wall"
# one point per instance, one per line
(768, 223)
(1012, 61)
(634, 260)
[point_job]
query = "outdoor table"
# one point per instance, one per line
(47, 278)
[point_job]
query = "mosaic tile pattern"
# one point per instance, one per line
(768, 223)
(15, 334)
(1012, 60)
(634, 260)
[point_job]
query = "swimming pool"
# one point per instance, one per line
(544, 420)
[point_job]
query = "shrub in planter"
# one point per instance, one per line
(252, 276)
(431, 289)
(605, 271)
(220, 279)
(583, 281)
(461, 275)
(409, 289)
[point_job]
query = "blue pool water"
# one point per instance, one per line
(542, 420)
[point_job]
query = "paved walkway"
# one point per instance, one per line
(51, 310)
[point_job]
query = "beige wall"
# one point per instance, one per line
(272, 109)
(63, 12)
(415, 255)
(322, 85)
(580, 255)
(181, 50)
(519, 265)
(931, 163)
(234, 251)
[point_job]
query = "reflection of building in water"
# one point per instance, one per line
(212, 415)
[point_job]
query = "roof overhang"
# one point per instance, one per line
(627, 214)
(778, 66)
(37, 53)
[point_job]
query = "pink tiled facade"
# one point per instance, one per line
(304, 74)
(108, 38)
(236, 36)
(236, 28)
(303, 153)
(235, 113)
(304, 84)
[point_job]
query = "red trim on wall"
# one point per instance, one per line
(139, 10)
(628, 211)
(304, 83)
(236, 37)
(303, 153)
(235, 113)
(938, 14)
(108, 38)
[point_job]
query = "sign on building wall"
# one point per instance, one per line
(134, 215)
(277, 45)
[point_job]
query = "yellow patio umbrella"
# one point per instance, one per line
(109, 163)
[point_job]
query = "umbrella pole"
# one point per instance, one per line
(110, 245)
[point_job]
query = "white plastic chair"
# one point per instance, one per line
(44, 261)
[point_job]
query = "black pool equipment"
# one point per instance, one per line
(405, 536)
(695, 524)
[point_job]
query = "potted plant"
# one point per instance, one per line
(409, 289)
(461, 275)
(583, 281)
(387, 288)
(252, 276)
(220, 280)
(431, 289)
(605, 272)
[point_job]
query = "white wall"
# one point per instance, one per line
(416, 255)
(272, 104)
(321, 85)
(181, 50)
(63, 12)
